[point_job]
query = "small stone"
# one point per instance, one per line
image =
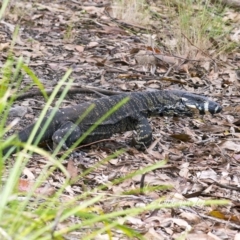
(17, 111)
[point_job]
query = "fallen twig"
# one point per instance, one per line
(98, 91)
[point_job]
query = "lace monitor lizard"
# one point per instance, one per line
(131, 116)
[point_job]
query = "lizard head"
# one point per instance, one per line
(201, 103)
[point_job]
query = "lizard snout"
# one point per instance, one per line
(214, 107)
(209, 106)
(203, 105)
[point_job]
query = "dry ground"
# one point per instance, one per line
(202, 152)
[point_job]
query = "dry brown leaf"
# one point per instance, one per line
(114, 30)
(151, 234)
(236, 157)
(237, 123)
(221, 215)
(70, 47)
(237, 236)
(104, 237)
(145, 59)
(167, 59)
(129, 75)
(184, 170)
(4, 46)
(235, 37)
(79, 48)
(153, 49)
(36, 16)
(217, 214)
(46, 190)
(49, 8)
(212, 128)
(184, 68)
(200, 236)
(24, 185)
(191, 218)
(28, 173)
(156, 155)
(93, 10)
(196, 80)
(150, 179)
(135, 220)
(103, 80)
(230, 145)
(92, 44)
(179, 222)
(181, 136)
(207, 174)
(72, 169)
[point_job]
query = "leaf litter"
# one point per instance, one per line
(202, 153)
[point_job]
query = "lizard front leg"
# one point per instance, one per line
(143, 137)
(66, 135)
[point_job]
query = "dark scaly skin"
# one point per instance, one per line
(131, 116)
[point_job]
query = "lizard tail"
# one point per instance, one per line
(23, 137)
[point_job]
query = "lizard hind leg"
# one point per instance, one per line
(66, 135)
(143, 138)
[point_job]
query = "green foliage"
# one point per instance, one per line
(68, 35)
(35, 80)
(3, 8)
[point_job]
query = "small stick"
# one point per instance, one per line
(98, 91)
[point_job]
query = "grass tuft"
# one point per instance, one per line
(197, 27)
(131, 11)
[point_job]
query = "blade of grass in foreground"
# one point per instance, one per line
(20, 161)
(93, 127)
(3, 8)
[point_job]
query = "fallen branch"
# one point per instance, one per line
(99, 91)
(229, 3)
